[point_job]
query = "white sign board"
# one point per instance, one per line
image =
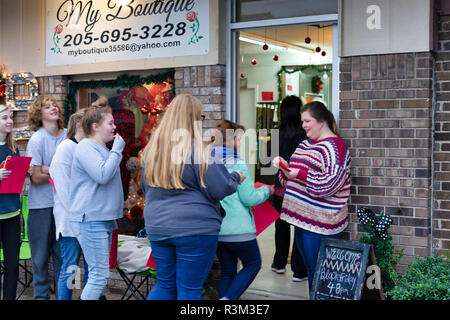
(384, 26)
(81, 31)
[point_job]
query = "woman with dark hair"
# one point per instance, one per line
(291, 134)
(317, 181)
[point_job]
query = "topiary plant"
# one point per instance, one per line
(425, 279)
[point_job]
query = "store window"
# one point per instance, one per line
(137, 103)
(252, 10)
(274, 63)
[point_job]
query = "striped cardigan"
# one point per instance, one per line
(316, 200)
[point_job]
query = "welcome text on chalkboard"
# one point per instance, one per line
(340, 270)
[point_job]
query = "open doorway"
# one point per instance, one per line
(275, 62)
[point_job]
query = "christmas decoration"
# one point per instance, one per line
(133, 206)
(265, 46)
(308, 40)
(275, 58)
(316, 84)
(2, 89)
(153, 100)
(324, 53)
(123, 81)
(379, 225)
(254, 61)
(26, 79)
(318, 49)
(242, 75)
(290, 70)
(144, 110)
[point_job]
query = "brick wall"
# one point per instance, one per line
(441, 203)
(385, 119)
(208, 84)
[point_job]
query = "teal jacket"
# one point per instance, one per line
(238, 223)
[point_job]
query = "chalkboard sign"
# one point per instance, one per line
(340, 270)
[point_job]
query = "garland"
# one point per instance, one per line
(124, 81)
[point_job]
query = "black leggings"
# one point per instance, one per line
(10, 240)
(282, 243)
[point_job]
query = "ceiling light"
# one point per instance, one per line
(254, 41)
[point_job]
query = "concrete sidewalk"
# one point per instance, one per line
(267, 285)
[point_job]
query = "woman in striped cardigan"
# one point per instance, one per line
(317, 182)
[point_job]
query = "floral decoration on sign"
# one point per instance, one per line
(191, 16)
(56, 39)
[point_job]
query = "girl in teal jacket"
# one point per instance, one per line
(237, 238)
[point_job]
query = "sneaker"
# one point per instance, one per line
(279, 271)
(296, 279)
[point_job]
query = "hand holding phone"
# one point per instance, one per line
(282, 165)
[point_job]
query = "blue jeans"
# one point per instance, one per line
(70, 255)
(233, 284)
(182, 265)
(308, 243)
(95, 241)
(43, 244)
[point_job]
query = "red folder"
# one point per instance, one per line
(19, 167)
(52, 183)
(113, 250)
(264, 214)
(151, 262)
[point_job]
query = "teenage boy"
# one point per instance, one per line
(45, 117)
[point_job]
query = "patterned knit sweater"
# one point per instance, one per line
(316, 200)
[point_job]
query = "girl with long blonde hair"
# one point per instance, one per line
(9, 209)
(182, 188)
(171, 144)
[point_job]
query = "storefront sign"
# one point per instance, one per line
(81, 31)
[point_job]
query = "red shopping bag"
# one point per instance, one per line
(264, 214)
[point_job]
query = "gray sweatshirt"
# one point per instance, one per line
(192, 211)
(96, 188)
